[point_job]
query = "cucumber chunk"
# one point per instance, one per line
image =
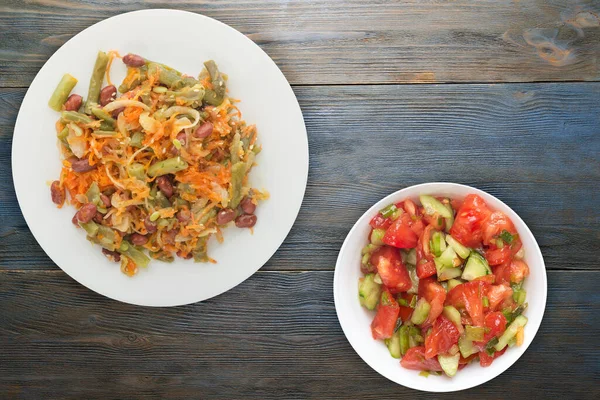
(369, 291)
(421, 312)
(466, 347)
(462, 251)
(452, 283)
(476, 266)
(510, 332)
(433, 206)
(449, 363)
(454, 316)
(393, 344)
(377, 237)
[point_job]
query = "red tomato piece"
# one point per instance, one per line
(410, 207)
(470, 218)
(400, 234)
(442, 337)
(423, 251)
(496, 294)
(497, 256)
(379, 222)
(415, 359)
(435, 221)
(495, 224)
(485, 360)
(417, 226)
(426, 269)
(390, 268)
(469, 295)
(495, 324)
(435, 294)
(519, 270)
(384, 322)
(502, 273)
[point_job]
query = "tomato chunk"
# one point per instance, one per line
(384, 322)
(495, 224)
(390, 268)
(379, 222)
(497, 256)
(485, 360)
(415, 359)
(469, 295)
(442, 337)
(470, 218)
(435, 294)
(495, 325)
(496, 294)
(400, 233)
(426, 269)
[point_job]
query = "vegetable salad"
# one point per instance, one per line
(446, 281)
(157, 166)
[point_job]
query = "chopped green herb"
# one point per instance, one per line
(507, 237)
(388, 211)
(403, 302)
(424, 373)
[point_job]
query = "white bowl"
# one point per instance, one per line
(356, 320)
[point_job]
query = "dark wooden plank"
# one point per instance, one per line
(535, 146)
(327, 42)
(275, 336)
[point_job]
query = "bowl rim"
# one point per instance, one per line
(439, 187)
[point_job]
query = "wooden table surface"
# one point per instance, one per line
(503, 95)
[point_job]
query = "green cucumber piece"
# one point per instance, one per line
(454, 316)
(474, 333)
(438, 245)
(452, 283)
(414, 337)
(377, 237)
(520, 296)
(369, 291)
(404, 339)
(449, 273)
(433, 206)
(476, 266)
(510, 332)
(466, 347)
(411, 257)
(449, 364)
(449, 221)
(446, 259)
(462, 251)
(90, 228)
(421, 312)
(393, 344)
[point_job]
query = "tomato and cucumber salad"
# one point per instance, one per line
(445, 279)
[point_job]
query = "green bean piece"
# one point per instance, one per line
(104, 116)
(189, 96)
(181, 203)
(136, 170)
(200, 252)
(167, 77)
(235, 147)
(93, 193)
(136, 140)
(238, 171)
(168, 166)
(161, 201)
(146, 99)
(250, 161)
(216, 78)
(90, 228)
(62, 92)
(137, 256)
(208, 216)
(74, 116)
(96, 81)
(62, 135)
(136, 82)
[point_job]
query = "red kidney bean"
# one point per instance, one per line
(203, 130)
(57, 193)
(112, 255)
(81, 165)
(86, 213)
(184, 215)
(225, 216)
(73, 102)
(245, 221)
(185, 256)
(169, 236)
(105, 200)
(165, 186)
(247, 205)
(181, 136)
(74, 220)
(98, 218)
(108, 94)
(151, 227)
(115, 113)
(138, 240)
(133, 60)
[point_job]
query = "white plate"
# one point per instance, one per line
(184, 41)
(356, 320)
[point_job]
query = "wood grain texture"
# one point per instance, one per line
(350, 42)
(535, 146)
(276, 336)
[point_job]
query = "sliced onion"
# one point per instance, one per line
(125, 103)
(148, 123)
(224, 194)
(122, 125)
(78, 145)
(186, 111)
